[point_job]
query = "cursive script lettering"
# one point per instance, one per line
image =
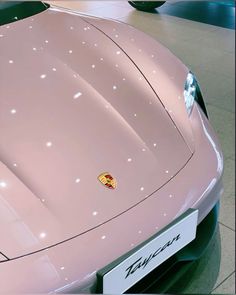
(142, 263)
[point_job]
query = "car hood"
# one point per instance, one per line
(73, 105)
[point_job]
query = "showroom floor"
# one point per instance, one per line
(205, 42)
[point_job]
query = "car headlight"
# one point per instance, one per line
(193, 93)
(190, 90)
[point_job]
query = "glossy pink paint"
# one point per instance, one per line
(82, 103)
(70, 125)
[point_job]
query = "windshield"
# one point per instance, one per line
(12, 11)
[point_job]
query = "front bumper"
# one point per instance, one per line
(71, 266)
(162, 278)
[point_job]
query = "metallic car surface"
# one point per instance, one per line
(60, 129)
(81, 96)
(163, 71)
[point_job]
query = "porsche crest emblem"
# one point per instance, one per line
(107, 180)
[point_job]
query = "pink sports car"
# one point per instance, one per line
(109, 169)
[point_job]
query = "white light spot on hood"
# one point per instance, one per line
(95, 213)
(62, 267)
(43, 76)
(42, 235)
(34, 48)
(93, 66)
(101, 58)
(116, 35)
(154, 71)
(54, 69)
(164, 214)
(49, 144)
(95, 44)
(46, 41)
(170, 196)
(118, 52)
(13, 111)
(140, 50)
(167, 171)
(3, 184)
(10, 61)
(139, 231)
(30, 27)
(140, 78)
(143, 150)
(70, 51)
(83, 42)
(71, 28)
(135, 115)
(1, 35)
(155, 145)
(152, 55)
(123, 79)
(14, 164)
(77, 180)
(103, 237)
(114, 87)
(129, 160)
(77, 95)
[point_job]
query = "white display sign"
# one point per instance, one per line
(132, 269)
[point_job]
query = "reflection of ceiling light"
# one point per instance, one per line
(3, 184)
(48, 144)
(42, 235)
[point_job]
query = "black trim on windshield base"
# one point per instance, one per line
(11, 11)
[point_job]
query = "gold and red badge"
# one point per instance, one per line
(107, 180)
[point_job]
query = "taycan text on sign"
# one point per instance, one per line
(143, 262)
